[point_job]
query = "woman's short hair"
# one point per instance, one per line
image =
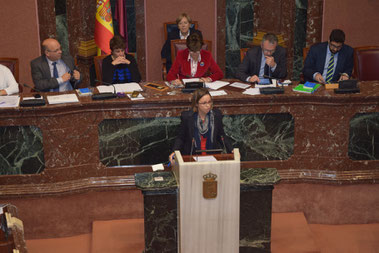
(181, 16)
(117, 42)
(196, 96)
(195, 41)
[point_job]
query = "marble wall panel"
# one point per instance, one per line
(46, 14)
(261, 137)
(239, 32)
(299, 37)
(136, 141)
(149, 141)
(314, 21)
(21, 150)
(364, 137)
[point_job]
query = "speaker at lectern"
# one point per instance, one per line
(209, 202)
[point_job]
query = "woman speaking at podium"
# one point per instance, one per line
(194, 62)
(201, 127)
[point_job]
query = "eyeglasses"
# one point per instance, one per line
(335, 46)
(268, 51)
(55, 51)
(206, 103)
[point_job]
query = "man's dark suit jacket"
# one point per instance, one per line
(108, 69)
(166, 49)
(41, 73)
(183, 141)
(315, 61)
(251, 63)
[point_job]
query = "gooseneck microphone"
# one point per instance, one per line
(105, 95)
(38, 100)
(223, 143)
(192, 144)
(33, 88)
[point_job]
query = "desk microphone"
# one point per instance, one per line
(105, 95)
(37, 101)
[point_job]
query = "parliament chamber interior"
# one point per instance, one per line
(91, 173)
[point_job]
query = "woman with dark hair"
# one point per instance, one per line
(201, 127)
(119, 67)
(182, 32)
(194, 62)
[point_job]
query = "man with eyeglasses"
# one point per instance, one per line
(53, 71)
(330, 61)
(268, 60)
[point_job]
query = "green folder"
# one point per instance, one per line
(300, 88)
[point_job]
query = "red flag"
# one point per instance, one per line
(103, 25)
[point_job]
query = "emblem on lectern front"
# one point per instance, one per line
(209, 186)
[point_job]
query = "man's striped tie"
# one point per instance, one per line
(329, 74)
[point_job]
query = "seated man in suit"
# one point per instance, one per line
(54, 71)
(330, 61)
(182, 32)
(267, 60)
(8, 84)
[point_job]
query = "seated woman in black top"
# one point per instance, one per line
(201, 128)
(119, 67)
(182, 32)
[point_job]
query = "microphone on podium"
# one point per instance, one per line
(105, 95)
(37, 101)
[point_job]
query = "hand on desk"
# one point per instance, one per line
(176, 82)
(319, 78)
(254, 78)
(344, 77)
(206, 79)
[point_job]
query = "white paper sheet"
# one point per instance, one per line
(9, 101)
(252, 91)
(215, 93)
(265, 85)
(62, 99)
(207, 158)
(240, 85)
(190, 80)
(158, 166)
(216, 85)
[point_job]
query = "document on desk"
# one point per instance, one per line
(216, 85)
(252, 91)
(191, 80)
(240, 85)
(207, 158)
(120, 87)
(215, 93)
(265, 85)
(9, 101)
(62, 99)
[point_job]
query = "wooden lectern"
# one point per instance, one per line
(208, 203)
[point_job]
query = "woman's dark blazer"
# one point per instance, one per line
(108, 69)
(183, 141)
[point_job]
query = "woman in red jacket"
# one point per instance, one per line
(194, 62)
